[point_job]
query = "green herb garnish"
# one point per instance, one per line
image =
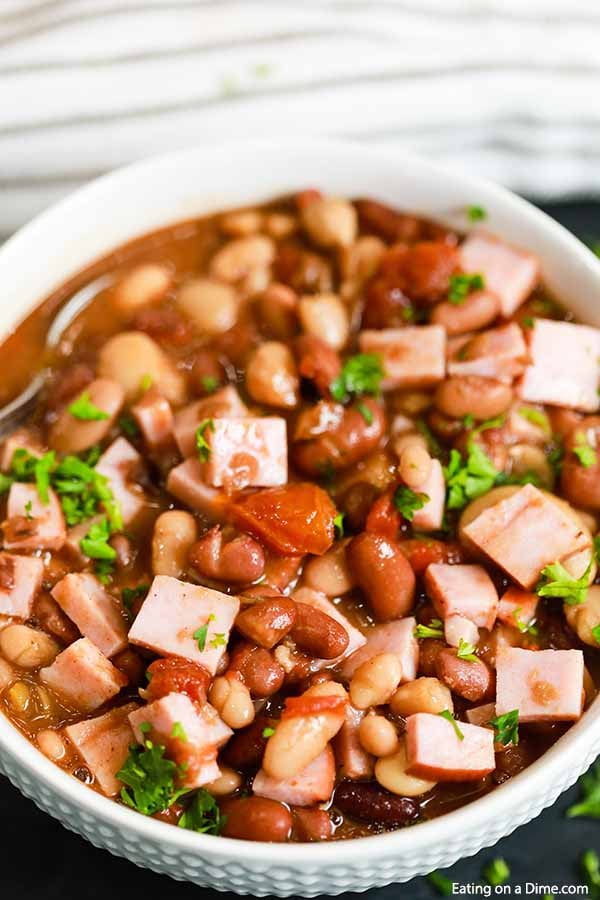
(466, 651)
(446, 714)
(462, 285)
(476, 213)
(365, 412)
(583, 451)
(536, 417)
(524, 627)
(338, 524)
(506, 728)
(203, 814)
(201, 633)
(209, 383)
(590, 868)
(361, 374)
(149, 779)
(268, 732)
(202, 445)
(557, 582)
(28, 510)
(468, 479)
(496, 872)
(442, 884)
(178, 731)
(433, 630)
(129, 426)
(407, 502)
(130, 595)
(84, 409)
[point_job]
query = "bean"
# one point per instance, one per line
(211, 306)
(277, 311)
(581, 484)
(130, 357)
(359, 261)
(7, 675)
(391, 774)
(266, 623)
(280, 225)
(318, 634)
(583, 618)
(355, 503)
(242, 222)
(131, 665)
(260, 671)
(174, 534)
(367, 802)
(231, 698)
(246, 748)
(325, 316)
(207, 372)
(141, 286)
(51, 744)
(27, 647)
(526, 459)
(384, 574)
(240, 560)
(19, 696)
(53, 620)
(239, 257)
(72, 435)
(256, 819)
(228, 782)
(483, 398)
(271, 375)
(429, 651)
(343, 437)
(330, 221)
(414, 465)
(330, 573)
(312, 824)
(563, 421)
(375, 680)
(317, 362)
(478, 310)
(378, 736)
(474, 680)
(426, 695)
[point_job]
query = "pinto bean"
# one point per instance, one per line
(256, 819)
(27, 647)
(246, 748)
(329, 573)
(239, 560)
(280, 225)
(317, 633)
(277, 311)
(422, 695)
(268, 622)
(367, 802)
(231, 698)
(329, 221)
(165, 326)
(141, 286)
(271, 375)
(581, 484)
(429, 651)
(526, 459)
(211, 306)
(391, 774)
(563, 421)
(174, 534)
(345, 443)
(72, 435)
(383, 573)
(53, 620)
(483, 398)
(7, 675)
(260, 671)
(312, 824)
(237, 258)
(427, 267)
(131, 665)
(302, 270)
(317, 362)
(414, 464)
(474, 680)
(375, 680)
(228, 782)
(325, 316)
(478, 310)
(377, 735)
(131, 356)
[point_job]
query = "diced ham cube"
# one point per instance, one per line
(353, 761)
(435, 752)
(154, 417)
(119, 464)
(412, 357)
(174, 610)
(20, 580)
(83, 676)
(95, 612)
(21, 439)
(103, 744)
(498, 353)
(509, 273)
(564, 365)
(33, 525)
(355, 638)
(189, 733)
(544, 685)
(526, 532)
(222, 404)
(430, 517)
(395, 637)
(463, 590)
(186, 483)
(246, 452)
(517, 607)
(458, 628)
(482, 715)
(312, 785)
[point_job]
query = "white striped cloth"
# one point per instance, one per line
(504, 88)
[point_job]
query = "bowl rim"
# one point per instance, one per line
(497, 804)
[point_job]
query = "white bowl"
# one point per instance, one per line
(170, 188)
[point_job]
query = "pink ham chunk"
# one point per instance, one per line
(246, 452)
(458, 629)
(463, 590)
(186, 483)
(174, 610)
(526, 532)
(517, 607)
(83, 677)
(20, 580)
(313, 784)
(224, 403)
(412, 357)
(430, 517)
(154, 417)
(564, 365)
(190, 734)
(434, 750)
(95, 612)
(353, 761)
(498, 353)
(120, 464)
(544, 685)
(21, 439)
(395, 637)
(32, 524)
(103, 744)
(355, 638)
(509, 273)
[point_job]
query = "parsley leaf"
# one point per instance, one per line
(130, 595)
(466, 651)
(5, 482)
(178, 731)
(365, 413)
(218, 640)
(408, 502)
(149, 779)
(442, 884)
(560, 583)
(433, 445)
(466, 480)
(476, 213)
(536, 417)
(496, 872)
(338, 524)
(84, 409)
(202, 445)
(596, 634)
(589, 805)
(146, 383)
(268, 732)
(433, 630)
(524, 627)
(129, 426)
(584, 452)
(506, 727)
(203, 814)
(28, 510)
(209, 383)
(446, 714)
(462, 285)
(361, 374)
(201, 633)
(95, 543)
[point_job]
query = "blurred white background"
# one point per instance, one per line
(504, 88)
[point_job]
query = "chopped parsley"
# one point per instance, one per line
(95, 545)
(361, 374)
(528, 321)
(433, 630)
(557, 582)
(589, 805)
(496, 872)
(338, 524)
(468, 421)
(149, 779)
(84, 409)
(268, 732)
(408, 502)
(218, 640)
(6, 482)
(536, 417)
(146, 383)
(506, 728)
(129, 426)
(26, 467)
(28, 510)
(590, 867)
(446, 714)
(466, 651)
(130, 595)
(596, 634)
(202, 445)
(365, 413)
(433, 445)
(443, 885)
(178, 731)
(524, 627)
(203, 814)
(476, 213)
(583, 451)
(468, 479)
(462, 285)
(201, 633)
(209, 383)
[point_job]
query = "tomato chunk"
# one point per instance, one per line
(420, 552)
(179, 676)
(383, 517)
(312, 705)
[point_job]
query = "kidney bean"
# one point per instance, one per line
(581, 484)
(181, 676)
(312, 824)
(426, 268)
(281, 571)
(367, 802)
(478, 310)
(131, 665)
(317, 362)
(421, 552)
(52, 619)
(356, 503)
(349, 440)
(443, 426)
(260, 671)
(256, 819)
(563, 421)
(474, 680)
(383, 573)
(429, 651)
(386, 305)
(246, 748)
(268, 622)
(240, 560)
(302, 270)
(388, 223)
(317, 633)
(483, 398)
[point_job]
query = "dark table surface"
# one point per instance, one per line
(42, 859)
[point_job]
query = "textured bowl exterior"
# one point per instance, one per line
(169, 189)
